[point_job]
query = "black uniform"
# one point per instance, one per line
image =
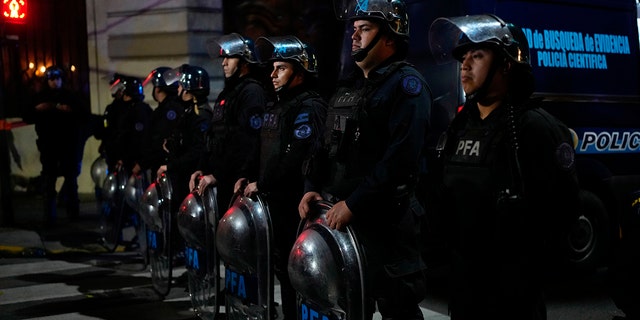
(164, 120)
(114, 114)
(234, 138)
(61, 138)
(291, 132)
(504, 208)
(132, 133)
(186, 146)
(376, 130)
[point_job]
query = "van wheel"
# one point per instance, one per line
(589, 235)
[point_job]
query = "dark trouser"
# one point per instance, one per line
(57, 163)
(397, 297)
(285, 220)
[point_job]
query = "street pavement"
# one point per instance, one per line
(30, 236)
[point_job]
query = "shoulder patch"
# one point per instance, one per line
(171, 115)
(255, 122)
(139, 126)
(411, 85)
(302, 132)
(565, 156)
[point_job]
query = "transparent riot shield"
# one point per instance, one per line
(113, 210)
(197, 222)
(326, 268)
(133, 228)
(244, 240)
(99, 173)
(155, 210)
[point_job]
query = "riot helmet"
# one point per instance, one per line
(391, 15)
(451, 38)
(287, 48)
(193, 79)
(156, 78)
(130, 86)
(53, 72)
(232, 45)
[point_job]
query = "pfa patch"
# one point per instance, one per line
(302, 131)
(411, 85)
(303, 117)
(565, 156)
(171, 115)
(255, 122)
(139, 126)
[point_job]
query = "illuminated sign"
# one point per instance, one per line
(604, 140)
(14, 11)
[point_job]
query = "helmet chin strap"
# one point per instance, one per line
(360, 54)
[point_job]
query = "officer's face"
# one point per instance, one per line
(282, 72)
(186, 96)
(476, 64)
(363, 33)
(474, 69)
(55, 83)
(229, 66)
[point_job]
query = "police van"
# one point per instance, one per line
(585, 59)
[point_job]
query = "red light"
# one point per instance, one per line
(14, 11)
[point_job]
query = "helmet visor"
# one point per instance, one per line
(117, 86)
(172, 76)
(278, 48)
(353, 9)
(446, 34)
(230, 45)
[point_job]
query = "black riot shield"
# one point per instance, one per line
(197, 222)
(155, 210)
(326, 268)
(244, 240)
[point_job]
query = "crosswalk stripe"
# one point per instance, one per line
(12, 270)
(38, 292)
(66, 316)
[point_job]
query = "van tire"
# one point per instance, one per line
(589, 235)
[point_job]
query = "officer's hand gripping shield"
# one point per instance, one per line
(326, 268)
(244, 240)
(197, 222)
(155, 210)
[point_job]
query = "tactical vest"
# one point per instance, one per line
(277, 127)
(224, 117)
(343, 128)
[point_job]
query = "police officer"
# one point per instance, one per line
(113, 115)
(291, 131)
(59, 115)
(164, 119)
(508, 182)
(133, 127)
(234, 137)
(376, 127)
(186, 144)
